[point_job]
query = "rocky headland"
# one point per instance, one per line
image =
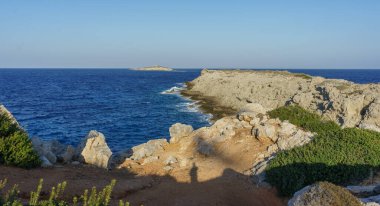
(153, 68)
(224, 164)
(347, 103)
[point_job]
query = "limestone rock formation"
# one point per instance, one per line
(178, 130)
(342, 101)
(245, 142)
(148, 149)
(323, 193)
(94, 150)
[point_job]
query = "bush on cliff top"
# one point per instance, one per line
(340, 156)
(15, 146)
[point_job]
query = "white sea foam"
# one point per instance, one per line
(189, 105)
(193, 107)
(173, 90)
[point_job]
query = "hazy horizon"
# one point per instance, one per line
(295, 34)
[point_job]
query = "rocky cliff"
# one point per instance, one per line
(342, 101)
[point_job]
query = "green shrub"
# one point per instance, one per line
(15, 146)
(340, 156)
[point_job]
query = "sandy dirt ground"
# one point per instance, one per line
(231, 188)
(216, 179)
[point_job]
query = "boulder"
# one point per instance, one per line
(94, 150)
(148, 149)
(178, 131)
(323, 193)
(223, 129)
(298, 139)
(53, 150)
(68, 155)
(287, 129)
(270, 132)
(45, 162)
(265, 130)
(51, 157)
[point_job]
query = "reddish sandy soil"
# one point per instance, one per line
(231, 188)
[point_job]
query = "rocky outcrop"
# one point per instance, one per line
(323, 193)
(148, 149)
(178, 130)
(53, 151)
(94, 150)
(250, 138)
(342, 101)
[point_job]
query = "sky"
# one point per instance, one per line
(190, 34)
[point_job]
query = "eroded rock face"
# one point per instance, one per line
(148, 149)
(342, 101)
(94, 150)
(178, 131)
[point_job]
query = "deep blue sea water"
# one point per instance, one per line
(127, 106)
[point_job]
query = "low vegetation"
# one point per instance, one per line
(304, 76)
(15, 146)
(340, 156)
(92, 198)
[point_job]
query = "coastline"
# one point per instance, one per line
(235, 150)
(224, 92)
(207, 104)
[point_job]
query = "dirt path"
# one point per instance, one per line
(231, 188)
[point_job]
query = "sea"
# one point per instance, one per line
(128, 107)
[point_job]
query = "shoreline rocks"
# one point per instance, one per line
(94, 150)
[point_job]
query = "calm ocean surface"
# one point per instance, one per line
(127, 106)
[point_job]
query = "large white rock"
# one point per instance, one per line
(178, 131)
(94, 150)
(298, 139)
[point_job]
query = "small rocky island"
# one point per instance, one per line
(154, 68)
(278, 138)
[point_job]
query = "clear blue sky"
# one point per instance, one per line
(192, 34)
